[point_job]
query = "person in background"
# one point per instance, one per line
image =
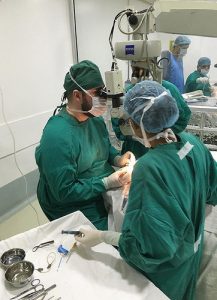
(198, 80)
(162, 232)
(172, 62)
(137, 147)
(75, 156)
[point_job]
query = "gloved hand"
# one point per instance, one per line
(89, 237)
(202, 80)
(124, 160)
(117, 179)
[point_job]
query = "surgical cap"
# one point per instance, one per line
(182, 40)
(86, 74)
(161, 115)
(204, 61)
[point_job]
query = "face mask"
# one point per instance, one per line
(134, 80)
(98, 104)
(167, 134)
(144, 140)
(204, 72)
(182, 52)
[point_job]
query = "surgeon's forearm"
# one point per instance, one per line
(79, 191)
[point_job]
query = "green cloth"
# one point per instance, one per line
(191, 85)
(86, 74)
(184, 115)
(184, 110)
(72, 158)
(165, 215)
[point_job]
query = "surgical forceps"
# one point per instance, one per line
(75, 232)
(34, 289)
(42, 245)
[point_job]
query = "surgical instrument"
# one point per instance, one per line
(124, 203)
(59, 263)
(75, 232)
(70, 251)
(36, 287)
(42, 245)
(50, 260)
(39, 294)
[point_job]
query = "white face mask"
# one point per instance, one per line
(182, 52)
(98, 104)
(134, 80)
(144, 141)
(204, 72)
(167, 134)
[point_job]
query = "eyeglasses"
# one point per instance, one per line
(97, 92)
(101, 92)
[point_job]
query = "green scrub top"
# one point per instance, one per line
(184, 115)
(72, 158)
(162, 233)
(191, 85)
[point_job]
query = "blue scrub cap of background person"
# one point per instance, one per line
(204, 61)
(86, 74)
(182, 40)
(161, 115)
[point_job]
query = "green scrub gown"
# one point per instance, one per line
(191, 85)
(72, 158)
(162, 233)
(184, 115)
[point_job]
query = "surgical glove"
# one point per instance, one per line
(91, 238)
(117, 179)
(124, 160)
(202, 80)
(125, 176)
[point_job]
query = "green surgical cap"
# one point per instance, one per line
(204, 61)
(86, 74)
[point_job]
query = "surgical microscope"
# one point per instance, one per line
(142, 55)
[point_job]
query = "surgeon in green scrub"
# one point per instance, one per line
(162, 232)
(199, 80)
(74, 157)
(132, 143)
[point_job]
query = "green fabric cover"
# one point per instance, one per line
(165, 215)
(72, 158)
(86, 74)
(191, 85)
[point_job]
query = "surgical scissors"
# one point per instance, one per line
(36, 287)
(42, 245)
